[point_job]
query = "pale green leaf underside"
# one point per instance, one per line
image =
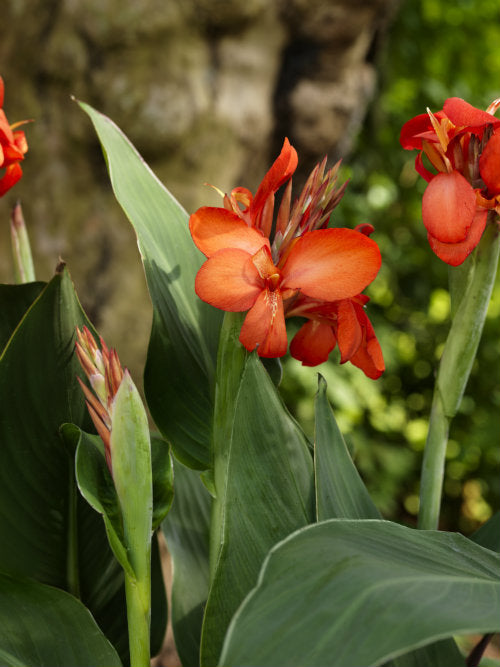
(348, 593)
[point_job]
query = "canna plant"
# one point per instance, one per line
(280, 556)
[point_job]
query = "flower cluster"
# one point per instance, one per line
(289, 265)
(462, 144)
(105, 374)
(13, 146)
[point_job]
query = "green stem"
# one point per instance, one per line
(24, 271)
(454, 370)
(138, 596)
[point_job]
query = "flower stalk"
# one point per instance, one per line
(24, 270)
(121, 421)
(454, 369)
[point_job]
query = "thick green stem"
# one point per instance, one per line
(230, 362)
(138, 595)
(454, 370)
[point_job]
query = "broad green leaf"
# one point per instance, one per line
(186, 530)
(488, 535)
(438, 654)
(39, 392)
(14, 302)
(181, 358)
(268, 493)
(358, 593)
(47, 627)
(340, 491)
(52, 534)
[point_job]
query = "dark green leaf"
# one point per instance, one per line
(181, 356)
(186, 529)
(46, 627)
(340, 491)
(358, 593)
(14, 302)
(39, 392)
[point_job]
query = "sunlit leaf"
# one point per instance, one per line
(181, 357)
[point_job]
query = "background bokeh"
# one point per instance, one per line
(207, 90)
(434, 50)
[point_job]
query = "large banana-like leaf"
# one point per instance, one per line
(267, 493)
(47, 531)
(181, 358)
(348, 593)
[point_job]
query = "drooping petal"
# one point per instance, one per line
(448, 207)
(456, 253)
(349, 332)
(229, 280)
(369, 358)
(215, 228)
(331, 264)
(264, 326)
(464, 115)
(489, 164)
(280, 171)
(12, 174)
(313, 343)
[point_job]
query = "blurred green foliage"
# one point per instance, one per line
(433, 50)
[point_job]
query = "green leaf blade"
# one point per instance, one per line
(44, 626)
(340, 491)
(268, 494)
(181, 357)
(410, 587)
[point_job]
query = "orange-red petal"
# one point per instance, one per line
(313, 343)
(464, 115)
(331, 264)
(229, 280)
(264, 326)
(349, 332)
(369, 357)
(448, 207)
(280, 171)
(455, 253)
(489, 164)
(12, 174)
(215, 228)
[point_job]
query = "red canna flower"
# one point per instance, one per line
(13, 146)
(246, 272)
(462, 143)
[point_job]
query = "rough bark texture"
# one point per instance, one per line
(206, 90)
